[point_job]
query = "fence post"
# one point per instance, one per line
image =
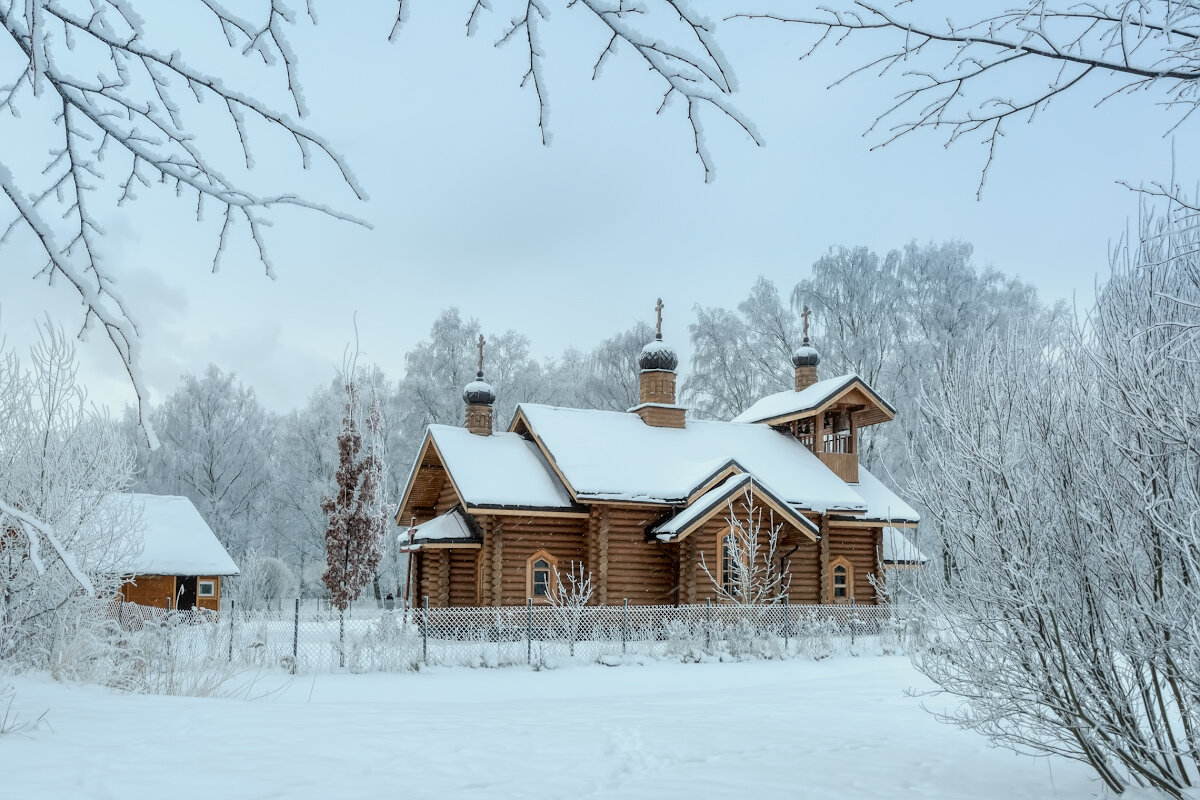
(121, 613)
(425, 631)
(708, 626)
(853, 621)
(529, 630)
(786, 614)
(232, 609)
(296, 634)
(624, 623)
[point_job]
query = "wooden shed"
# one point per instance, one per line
(175, 561)
(641, 499)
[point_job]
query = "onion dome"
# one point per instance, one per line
(479, 392)
(806, 355)
(658, 355)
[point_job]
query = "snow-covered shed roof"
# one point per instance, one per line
(897, 549)
(168, 537)
(719, 497)
(452, 528)
(503, 470)
(792, 404)
(610, 455)
(883, 504)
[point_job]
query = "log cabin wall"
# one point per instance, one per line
(496, 567)
(484, 565)
(803, 564)
(611, 544)
(645, 573)
(861, 547)
(520, 537)
(463, 566)
(594, 549)
(150, 590)
(447, 499)
(434, 576)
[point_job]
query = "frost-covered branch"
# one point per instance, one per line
(979, 73)
(118, 103)
(1064, 475)
(750, 571)
(671, 40)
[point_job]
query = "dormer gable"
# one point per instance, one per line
(844, 391)
(742, 487)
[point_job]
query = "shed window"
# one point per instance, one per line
(207, 588)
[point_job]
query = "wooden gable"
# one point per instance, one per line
(430, 489)
(718, 500)
(868, 407)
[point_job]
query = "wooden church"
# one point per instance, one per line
(641, 500)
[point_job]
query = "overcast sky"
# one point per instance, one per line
(572, 242)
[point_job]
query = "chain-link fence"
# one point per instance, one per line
(313, 637)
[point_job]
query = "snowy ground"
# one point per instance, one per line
(839, 728)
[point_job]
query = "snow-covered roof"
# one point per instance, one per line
(788, 403)
(451, 527)
(172, 537)
(609, 455)
(897, 549)
(503, 470)
(882, 503)
(709, 503)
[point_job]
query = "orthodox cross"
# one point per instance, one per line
(658, 310)
(805, 314)
(481, 354)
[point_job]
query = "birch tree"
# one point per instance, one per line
(738, 357)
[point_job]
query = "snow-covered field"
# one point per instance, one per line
(839, 728)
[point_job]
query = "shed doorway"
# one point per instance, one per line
(185, 593)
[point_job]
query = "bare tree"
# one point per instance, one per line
(570, 599)
(262, 580)
(1065, 478)
(751, 572)
(739, 357)
(1030, 54)
(217, 444)
(58, 459)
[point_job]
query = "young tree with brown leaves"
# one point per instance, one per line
(357, 515)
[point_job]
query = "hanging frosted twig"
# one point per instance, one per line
(667, 37)
(1128, 47)
(116, 101)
